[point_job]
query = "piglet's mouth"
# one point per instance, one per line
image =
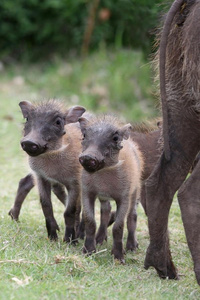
(33, 154)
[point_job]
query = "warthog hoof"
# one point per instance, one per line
(81, 235)
(70, 236)
(14, 215)
(52, 227)
(131, 245)
(119, 255)
(101, 236)
(162, 262)
(89, 246)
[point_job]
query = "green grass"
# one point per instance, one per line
(32, 267)
(117, 81)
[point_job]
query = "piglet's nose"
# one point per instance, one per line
(89, 163)
(31, 148)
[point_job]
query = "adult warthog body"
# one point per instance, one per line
(180, 95)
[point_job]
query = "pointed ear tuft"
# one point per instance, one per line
(73, 114)
(125, 131)
(26, 107)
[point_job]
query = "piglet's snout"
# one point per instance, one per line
(32, 149)
(89, 163)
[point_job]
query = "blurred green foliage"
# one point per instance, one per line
(38, 29)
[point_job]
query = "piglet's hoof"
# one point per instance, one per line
(89, 246)
(163, 265)
(119, 255)
(70, 241)
(53, 236)
(88, 251)
(120, 261)
(13, 214)
(131, 245)
(70, 236)
(101, 237)
(52, 227)
(81, 234)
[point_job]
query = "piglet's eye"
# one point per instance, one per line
(115, 138)
(58, 122)
(27, 119)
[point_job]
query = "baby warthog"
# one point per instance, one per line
(53, 146)
(112, 170)
(147, 137)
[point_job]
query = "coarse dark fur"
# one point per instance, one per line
(180, 90)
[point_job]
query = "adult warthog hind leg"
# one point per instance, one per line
(160, 189)
(189, 201)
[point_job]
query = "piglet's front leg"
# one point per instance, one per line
(118, 250)
(90, 224)
(60, 192)
(25, 185)
(105, 218)
(44, 187)
(72, 215)
(132, 243)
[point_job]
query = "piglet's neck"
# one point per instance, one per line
(58, 151)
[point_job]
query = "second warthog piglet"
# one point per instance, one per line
(112, 170)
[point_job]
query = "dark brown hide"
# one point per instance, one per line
(149, 144)
(181, 109)
(188, 197)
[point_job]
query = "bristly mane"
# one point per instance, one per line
(51, 104)
(115, 121)
(145, 126)
(105, 119)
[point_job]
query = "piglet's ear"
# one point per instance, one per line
(83, 123)
(26, 107)
(73, 114)
(159, 124)
(125, 131)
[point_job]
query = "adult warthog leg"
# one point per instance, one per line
(189, 201)
(160, 189)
